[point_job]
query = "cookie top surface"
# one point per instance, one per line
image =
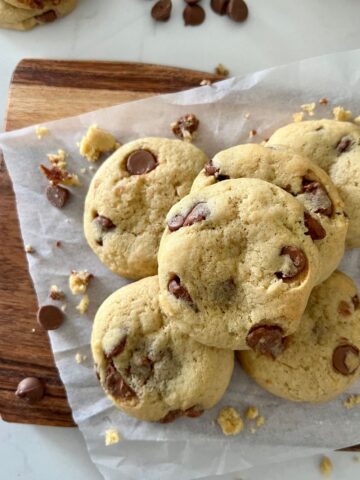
(335, 147)
(149, 368)
(326, 221)
(236, 256)
(322, 358)
(129, 198)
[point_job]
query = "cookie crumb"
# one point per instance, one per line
(323, 101)
(309, 108)
(29, 249)
(33, 330)
(298, 117)
(252, 413)
(55, 293)
(247, 115)
(57, 175)
(83, 170)
(220, 69)
(252, 430)
(41, 132)
(80, 358)
(357, 120)
(63, 307)
(79, 281)
(260, 421)
(356, 458)
(185, 128)
(58, 159)
(230, 421)
(205, 82)
(83, 305)
(92, 168)
(341, 114)
(351, 401)
(58, 243)
(111, 437)
(326, 466)
(96, 142)
(252, 133)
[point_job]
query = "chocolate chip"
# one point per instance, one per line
(193, 412)
(315, 229)
(219, 6)
(57, 195)
(116, 385)
(185, 126)
(346, 359)
(344, 145)
(171, 416)
(104, 223)
(193, 15)
(176, 222)
(50, 317)
(344, 308)
(47, 17)
(267, 340)
(298, 259)
(198, 213)
(117, 349)
(31, 390)
(179, 292)
(319, 197)
(140, 162)
(161, 11)
(237, 10)
(211, 170)
(356, 302)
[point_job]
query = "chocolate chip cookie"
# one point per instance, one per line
(149, 369)
(324, 210)
(335, 147)
(322, 358)
(236, 265)
(129, 198)
(32, 13)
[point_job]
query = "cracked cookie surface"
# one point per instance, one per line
(322, 358)
(149, 368)
(236, 265)
(129, 197)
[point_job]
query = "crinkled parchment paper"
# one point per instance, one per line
(185, 449)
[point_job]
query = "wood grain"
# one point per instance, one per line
(40, 91)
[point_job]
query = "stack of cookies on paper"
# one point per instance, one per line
(27, 14)
(237, 253)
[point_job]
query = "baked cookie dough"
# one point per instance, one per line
(129, 198)
(148, 368)
(322, 358)
(26, 18)
(236, 265)
(335, 147)
(325, 219)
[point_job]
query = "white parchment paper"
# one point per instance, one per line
(185, 449)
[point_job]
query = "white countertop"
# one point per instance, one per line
(277, 32)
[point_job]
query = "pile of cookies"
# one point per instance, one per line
(237, 253)
(27, 14)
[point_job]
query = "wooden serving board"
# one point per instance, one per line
(40, 91)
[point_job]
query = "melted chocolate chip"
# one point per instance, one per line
(344, 145)
(57, 195)
(171, 416)
(344, 308)
(315, 229)
(319, 197)
(47, 17)
(161, 11)
(141, 162)
(104, 223)
(31, 390)
(356, 302)
(116, 385)
(237, 10)
(176, 222)
(50, 317)
(346, 359)
(198, 213)
(179, 291)
(117, 349)
(211, 170)
(298, 259)
(219, 6)
(267, 340)
(193, 412)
